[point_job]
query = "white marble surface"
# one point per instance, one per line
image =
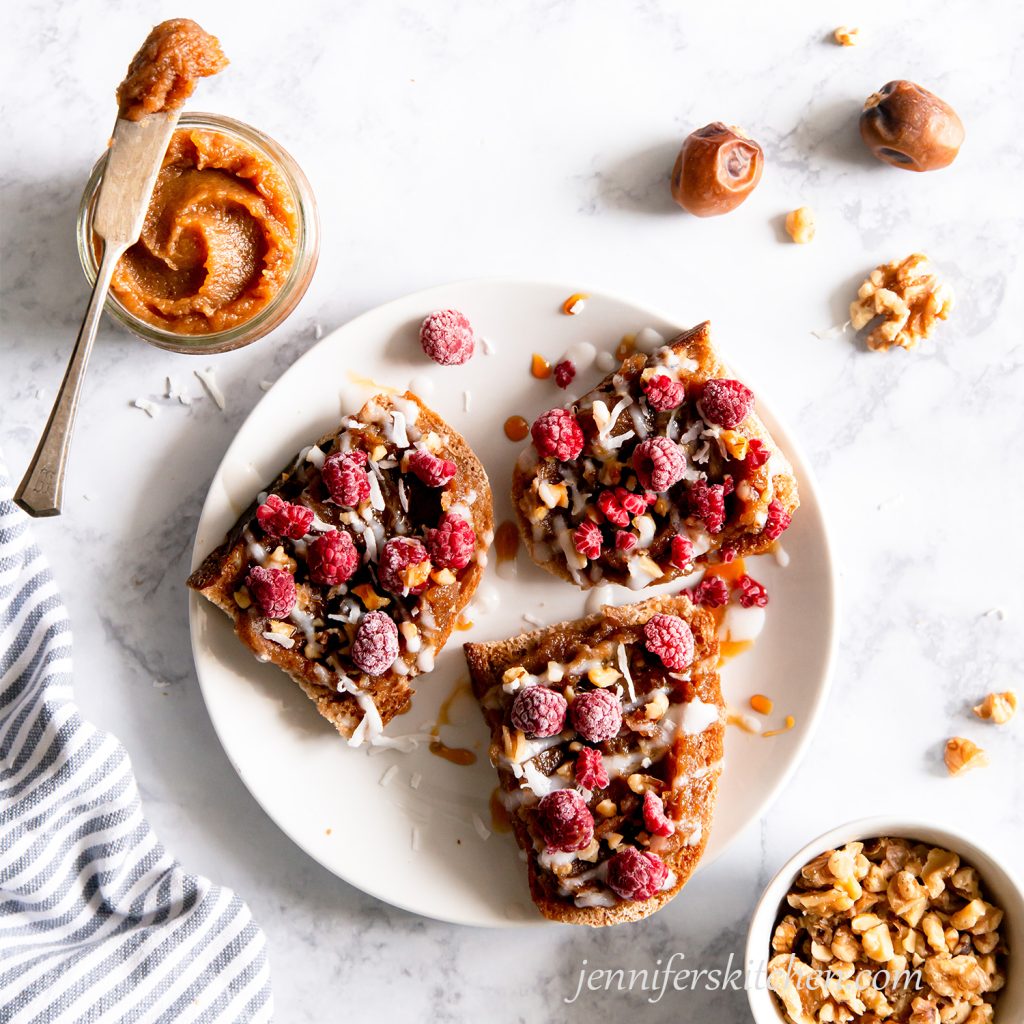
(535, 140)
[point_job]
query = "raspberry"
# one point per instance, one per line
(669, 637)
(564, 821)
(727, 553)
(659, 463)
(757, 454)
(345, 475)
(447, 337)
(557, 435)
(596, 715)
(273, 590)
(707, 503)
(587, 539)
(399, 554)
(453, 544)
(625, 541)
(434, 472)
(752, 593)
(777, 522)
(728, 485)
(681, 553)
(332, 558)
(711, 592)
(565, 373)
(590, 770)
(656, 821)
(664, 394)
(618, 506)
(636, 875)
(726, 402)
(282, 519)
(375, 647)
(538, 711)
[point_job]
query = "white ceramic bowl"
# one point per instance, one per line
(997, 879)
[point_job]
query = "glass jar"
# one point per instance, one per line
(307, 248)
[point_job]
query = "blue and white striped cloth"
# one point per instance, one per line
(97, 921)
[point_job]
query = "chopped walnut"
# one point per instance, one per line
(909, 296)
(927, 930)
(997, 707)
(800, 225)
(962, 755)
(846, 36)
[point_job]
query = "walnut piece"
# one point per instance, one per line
(920, 944)
(800, 225)
(846, 36)
(909, 296)
(962, 755)
(998, 707)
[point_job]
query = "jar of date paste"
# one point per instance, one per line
(229, 245)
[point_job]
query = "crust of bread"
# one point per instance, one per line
(223, 570)
(694, 344)
(700, 755)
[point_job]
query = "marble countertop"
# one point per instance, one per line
(534, 140)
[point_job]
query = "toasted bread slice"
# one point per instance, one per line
(670, 742)
(313, 644)
(741, 469)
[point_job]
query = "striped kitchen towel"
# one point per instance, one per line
(97, 921)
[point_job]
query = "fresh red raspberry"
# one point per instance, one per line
(596, 715)
(728, 485)
(273, 590)
(346, 478)
(587, 539)
(625, 541)
(681, 553)
(757, 454)
(670, 638)
(399, 553)
(778, 520)
(538, 711)
(636, 874)
(590, 769)
(656, 821)
(613, 505)
(565, 373)
(659, 464)
(565, 822)
(711, 592)
(332, 558)
(726, 402)
(664, 394)
(707, 503)
(453, 544)
(282, 519)
(751, 593)
(434, 472)
(557, 435)
(447, 337)
(375, 648)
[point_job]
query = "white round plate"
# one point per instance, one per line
(412, 828)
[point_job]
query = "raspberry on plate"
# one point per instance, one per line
(707, 504)
(751, 593)
(659, 464)
(557, 435)
(539, 712)
(671, 639)
(656, 820)
(452, 544)
(565, 822)
(590, 770)
(565, 372)
(711, 592)
(283, 519)
(273, 590)
(778, 520)
(664, 394)
(636, 874)
(447, 337)
(332, 558)
(434, 472)
(375, 647)
(404, 566)
(587, 539)
(681, 553)
(726, 402)
(596, 715)
(345, 477)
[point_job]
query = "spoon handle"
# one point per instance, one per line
(41, 490)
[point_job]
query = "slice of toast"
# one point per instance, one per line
(741, 469)
(669, 741)
(313, 644)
